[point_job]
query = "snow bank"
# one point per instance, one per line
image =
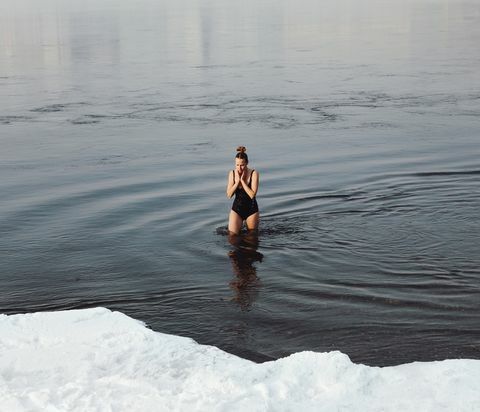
(98, 360)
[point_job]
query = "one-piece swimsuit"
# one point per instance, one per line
(243, 204)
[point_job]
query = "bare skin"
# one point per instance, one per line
(242, 175)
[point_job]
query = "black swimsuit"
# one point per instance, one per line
(243, 204)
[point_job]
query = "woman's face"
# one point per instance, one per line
(240, 165)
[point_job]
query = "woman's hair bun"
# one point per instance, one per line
(241, 149)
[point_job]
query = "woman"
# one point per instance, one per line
(243, 182)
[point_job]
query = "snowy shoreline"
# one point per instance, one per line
(99, 360)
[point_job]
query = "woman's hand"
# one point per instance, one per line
(238, 176)
(234, 181)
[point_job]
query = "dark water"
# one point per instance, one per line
(118, 124)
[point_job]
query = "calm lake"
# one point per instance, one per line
(119, 122)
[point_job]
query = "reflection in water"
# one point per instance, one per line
(243, 256)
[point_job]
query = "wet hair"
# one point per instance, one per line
(242, 153)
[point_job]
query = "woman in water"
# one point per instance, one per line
(243, 182)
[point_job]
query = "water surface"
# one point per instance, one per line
(118, 125)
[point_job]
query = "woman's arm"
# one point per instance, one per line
(252, 192)
(231, 185)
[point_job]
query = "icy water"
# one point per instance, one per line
(119, 122)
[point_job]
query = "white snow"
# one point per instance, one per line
(98, 360)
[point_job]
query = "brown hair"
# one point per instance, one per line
(242, 153)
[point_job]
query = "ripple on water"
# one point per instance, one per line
(391, 245)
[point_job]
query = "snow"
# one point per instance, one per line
(99, 360)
